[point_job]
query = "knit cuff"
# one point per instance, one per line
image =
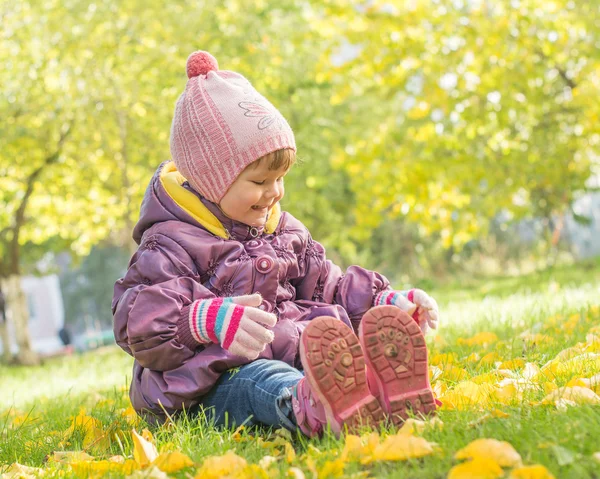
(185, 335)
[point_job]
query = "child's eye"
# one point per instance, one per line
(258, 182)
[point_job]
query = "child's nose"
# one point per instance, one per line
(273, 191)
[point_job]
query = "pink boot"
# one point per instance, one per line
(334, 390)
(396, 358)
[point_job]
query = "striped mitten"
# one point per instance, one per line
(235, 323)
(416, 302)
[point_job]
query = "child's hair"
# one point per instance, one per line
(283, 158)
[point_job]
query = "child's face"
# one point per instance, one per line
(253, 194)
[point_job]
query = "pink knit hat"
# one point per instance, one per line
(221, 125)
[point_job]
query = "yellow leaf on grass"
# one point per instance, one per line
(512, 364)
(453, 373)
(536, 471)
(172, 461)
(144, 451)
(352, 447)
(483, 339)
(500, 452)
(400, 448)
(130, 416)
(290, 453)
(331, 469)
(19, 471)
(94, 469)
(580, 382)
(266, 462)
(489, 359)
(295, 473)
(575, 394)
(568, 353)
(509, 393)
(490, 378)
(152, 472)
(67, 457)
(416, 426)
(478, 468)
(443, 358)
(215, 467)
(495, 413)
(93, 434)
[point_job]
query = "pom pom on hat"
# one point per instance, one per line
(200, 63)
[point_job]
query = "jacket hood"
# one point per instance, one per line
(170, 198)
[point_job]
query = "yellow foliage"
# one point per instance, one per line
(144, 451)
(174, 461)
(216, 467)
(400, 447)
(94, 469)
(483, 339)
(501, 452)
(575, 394)
(332, 469)
(478, 468)
(536, 471)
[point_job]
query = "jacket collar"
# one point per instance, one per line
(208, 214)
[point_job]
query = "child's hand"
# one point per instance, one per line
(427, 313)
(235, 323)
(416, 302)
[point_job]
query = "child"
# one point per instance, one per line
(228, 298)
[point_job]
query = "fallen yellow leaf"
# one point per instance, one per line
(415, 426)
(144, 451)
(501, 452)
(94, 435)
(512, 364)
(290, 453)
(443, 358)
(536, 471)
(94, 469)
(400, 448)
(19, 471)
(483, 339)
(216, 467)
(453, 373)
(172, 461)
(67, 457)
(489, 359)
(575, 394)
(152, 472)
(331, 469)
(295, 473)
(478, 468)
(266, 462)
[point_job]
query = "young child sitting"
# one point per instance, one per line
(230, 305)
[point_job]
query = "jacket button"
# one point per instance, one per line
(253, 244)
(264, 264)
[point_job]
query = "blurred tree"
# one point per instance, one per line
(475, 107)
(88, 94)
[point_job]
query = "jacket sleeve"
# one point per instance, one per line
(323, 281)
(151, 305)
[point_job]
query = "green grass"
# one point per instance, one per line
(563, 441)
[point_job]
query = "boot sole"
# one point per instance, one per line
(396, 354)
(334, 366)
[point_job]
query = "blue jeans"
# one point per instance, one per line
(256, 393)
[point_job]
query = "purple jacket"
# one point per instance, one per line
(189, 250)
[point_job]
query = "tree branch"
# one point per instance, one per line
(20, 214)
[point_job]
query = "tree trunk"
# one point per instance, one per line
(5, 338)
(19, 314)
